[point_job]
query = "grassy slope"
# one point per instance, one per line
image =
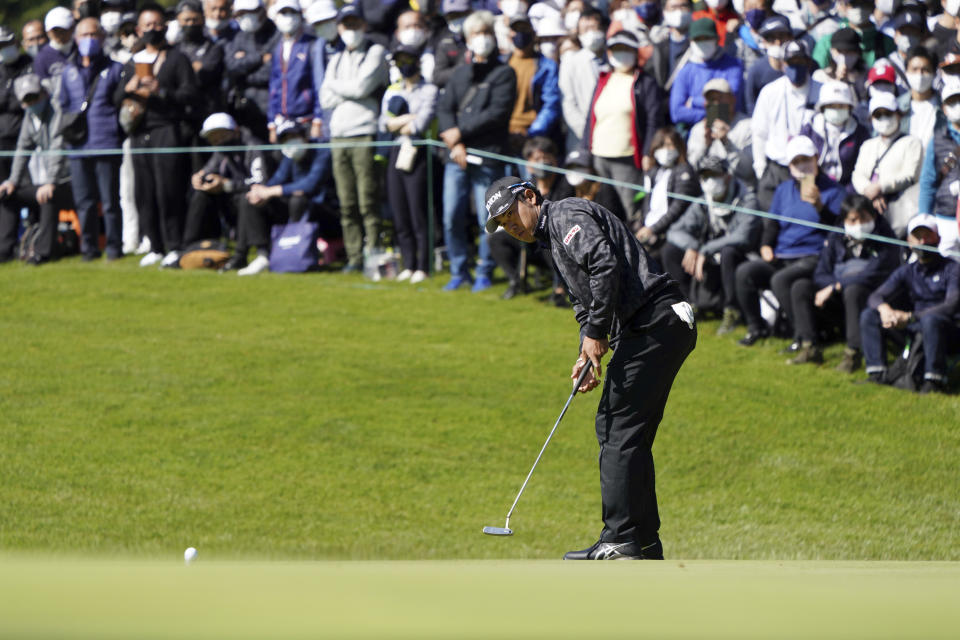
(323, 417)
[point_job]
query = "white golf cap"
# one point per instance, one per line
(883, 100)
(551, 26)
(951, 87)
(58, 18)
(719, 85)
(218, 121)
(280, 5)
(246, 5)
(835, 92)
(800, 146)
(923, 220)
(320, 11)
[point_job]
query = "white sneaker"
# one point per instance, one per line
(404, 275)
(260, 263)
(143, 248)
(418, 276)
(151, 259)
(172, 259)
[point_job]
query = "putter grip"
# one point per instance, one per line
(583, 375)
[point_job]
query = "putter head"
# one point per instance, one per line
(498, 531)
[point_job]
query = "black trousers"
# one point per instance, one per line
(638, 381)
(505, 251)
(720, 277)
(842, 308)
(210, 216)
(160, 187)
(756, 275)
(254, 223)
(407, 194)
(47, 214)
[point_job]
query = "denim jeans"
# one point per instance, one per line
(940, 337)
(457, 184)
(97, 179)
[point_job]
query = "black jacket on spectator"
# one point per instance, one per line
(478, 100)
(177, 89)
(242, 167)
(248, 76)
(209, 77)
(838, 262)
(449, 50)
(11, 113)
(683, 180)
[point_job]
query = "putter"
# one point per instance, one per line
(505, 530)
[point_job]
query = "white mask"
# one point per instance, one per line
(836, 117)
(885, 126)
(570, 20)
(952, 111)
(575, 178)
(482, 45)
(623, 60)
(716, 189)
(848, 60)
(856, 15)
(885, 7)
(249, 22)
(63, 47)
(703, 50)
(626, 17)
(326, 30)
(953, 7)
(905, 42)
(920, 82)
(666, 157)
(351, 38)
(775, 51)
(110, 21)
(512, 8)
(213, 24)
(677, 18)
(549, 49)
(858, 231)
(716, 4)
(287, 23)
(593, 40)
(412, 37)
(8, 54)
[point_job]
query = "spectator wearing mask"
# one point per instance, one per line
(111, 17)
(536, 111)
(248, 62)
(294, 191)
(926, 293)
(13, 64)
(578, 75)
(206, 58)
(449, 47)
(846, 65)
(789, 250)
(940, 172)
(835, 133)
(579, 165)
(746, 43)
(924, 101)
(670, 52)
(412, 32)
(888, 165)
(47, 189)
(473, 111)
(162, 80)
(850, 267)
(86, 9)
(351, 93)
(725, 19)
(774, 34)
(322, 18)
(549, 33)
(707, 61)
(724, 133)
(59, 49)
(381, 18)
(407, 111)
(709, 241)
(944, 32)
(293, 95)
(783, 108)
(95, 178)
(33, 37)
(910, 30)
(670, 173)
(626, 99)
(217, 21)
(872, 43)
(815, 19)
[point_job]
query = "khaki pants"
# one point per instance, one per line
(355, 175)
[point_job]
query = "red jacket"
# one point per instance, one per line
(720, 18)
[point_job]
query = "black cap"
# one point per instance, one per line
(713, 164)
(845, 39)
(500, 196)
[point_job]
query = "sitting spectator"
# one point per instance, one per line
(709, 241)
(293, 95)
(707, 61)
(835, 133)
(850, 267)
(95, 178)
(449, 47)
(724, 133)
(671, 51)
(13, 64)
(407, 111)
(789, 250)
(940, 173)
(351, 91)
(924, 101)
(930, 287)
(33, 38)
(846, 64)
(725, 19)
(873, 44)
(670, 173)
(579, 165)
(888, 165)
(536, 110)
(248, 60)
(59, 49)
(473, 111)
(49, 186)
(775, 33)
(578, 75)
(625, 99)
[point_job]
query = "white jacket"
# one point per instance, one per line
(898, 168)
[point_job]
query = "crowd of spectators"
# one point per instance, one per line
(700, 118)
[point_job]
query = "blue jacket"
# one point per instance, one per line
(690, 81)
(760, 75)
(308, 176)
(320, 54)
(102, 125)
(797, 240)
(546, 97)
(292, 92)
(50, 62)
(838, 263)
(945, 135)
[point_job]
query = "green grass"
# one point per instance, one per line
(324, 417)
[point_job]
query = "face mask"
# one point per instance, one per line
(755, 18)
(174, 32)
(62, 47)
(703, 50)
(952, 111)
(249, 22)
(326, 30)
(775, 51)
(953, 7)
(905, 42)
(678, 18)
(570, 20)
(920, 82)
(482, 46)
(627, 17)
(549, 49)
(294, 153)
(593, 40)
(9, 54)
(836, 117)
(287, 23)
(716, 189)
(351, 38)
(32, 50)
(885, 126)
(856, 15)
(89, 47)
(666, 157)
(38, 107)
(110, 21)
(885, 7)
(193, 33)
(512, 8)
(797, 74)
(858, 231)
(848, 60)
(576, 179)
(522, 39)
(623, 60)
(801, 171)
(649, 12)
(716, 4)
(154, 38)
(456, 25)
(408, 69)
(214, 24)
(413, 37)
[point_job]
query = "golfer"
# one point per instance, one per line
(622, 299)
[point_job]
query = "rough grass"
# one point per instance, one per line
(324, 417)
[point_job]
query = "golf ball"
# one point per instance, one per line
(189, 555)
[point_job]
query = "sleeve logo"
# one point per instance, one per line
(574, 230)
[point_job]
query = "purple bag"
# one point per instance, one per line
(293, 247)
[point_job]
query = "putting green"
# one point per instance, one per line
(86, 598)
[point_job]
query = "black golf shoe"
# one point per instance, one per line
(617, 551)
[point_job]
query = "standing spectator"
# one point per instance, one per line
(707, 61)
(536, 111)
(34, 38)
(248, 61)
(13, 64)
(626, 100)
(944, 32)
(746, 43)
(670, 173)
(351, 90)
(111, 17)
(450, 47)
(670, 51)
(381, 18)
(49, 187)
(873, 44)
(59, 49)
(910, 31)
(322, 18)
(775, 33)
(789, 250)
(846, 65)
(95, 178)
(850, 267)
(412, 32)
(473, 111)
(724, 133)
(783, 108)
(217, 22)
(725, 19)
(578, 75)
(549, 34)
(86, 9)
(930, 287)
(835, 133)
(293, 95)
(407, 111)
(814, 19)
(940, 172)
(162, 79)
(924, 101)
(206, 58)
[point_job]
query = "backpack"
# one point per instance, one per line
(907, 370)
(205, 254)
